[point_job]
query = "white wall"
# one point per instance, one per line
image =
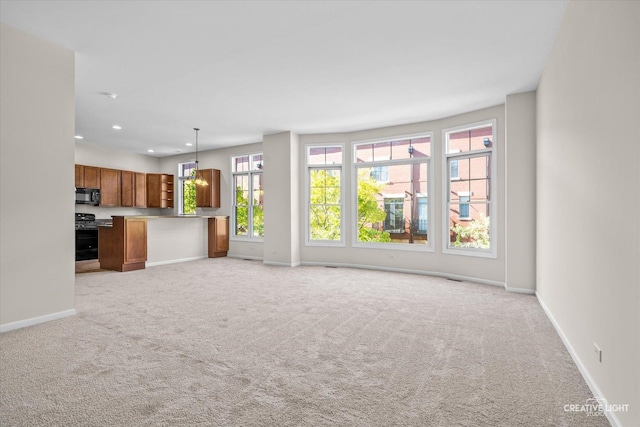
(37, 120)
(588, 194)
(520, 187)
(281, 207)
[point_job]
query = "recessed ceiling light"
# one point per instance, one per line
(78, 137)
(188, 144)
(112, 95)
(150, 150)
(116, 127)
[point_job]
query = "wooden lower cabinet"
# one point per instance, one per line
(123, 247)
(218, 236)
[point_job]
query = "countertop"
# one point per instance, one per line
(108, 222)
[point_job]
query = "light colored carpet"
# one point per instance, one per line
(234, 342)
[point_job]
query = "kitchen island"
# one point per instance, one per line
(135, 242)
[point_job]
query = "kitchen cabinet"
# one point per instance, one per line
(109, 187)
(123, 246)
(133, 189)
(208, 196)
(218, 236)
(140, 190)
(127, 188)
(87, 176)
(159, 190)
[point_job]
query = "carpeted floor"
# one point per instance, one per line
(230, 342)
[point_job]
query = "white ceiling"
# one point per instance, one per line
(242, 69)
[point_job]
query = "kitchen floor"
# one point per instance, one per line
(88, 266)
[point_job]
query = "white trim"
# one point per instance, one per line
(412, 247)
(611, 416)
(408, 271)
(281, 264)
(174, 261)
(36, 320)
(251, 257)
(520, 290)
(246, 238)
(393, 138)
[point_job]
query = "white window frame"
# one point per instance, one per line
(307, 195)
(250, 173)
(355, 165)
(492, 151)
(181, 180)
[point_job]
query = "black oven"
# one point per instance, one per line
(86, 237)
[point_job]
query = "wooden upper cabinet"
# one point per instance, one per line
(110, 187)
(140, 190)
(159, 190)
(87, 176)
(127, 188)
(208, 196)
(79, 176)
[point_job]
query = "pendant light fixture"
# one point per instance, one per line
(198, 180)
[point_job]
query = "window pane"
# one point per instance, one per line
(474, 233)
(364, 153)
(188, 197)
(258, 221)
(469, 140)
(473, 179)
(394, 150)
(324, 156)
(389, 211)
(381, 151)
(421, 147)
(256, 162)
(324, 204)
(241, 164)
(186, 169)
(242, 190)
(258, 191)
(242, 220)
(324, 222)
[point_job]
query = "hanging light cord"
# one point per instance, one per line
(199, 180)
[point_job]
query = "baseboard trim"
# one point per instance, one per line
(251, 257)
(36, 320)
(174, 261)
(520, 290)
(404, 270)
(613, 420)
(282, 264)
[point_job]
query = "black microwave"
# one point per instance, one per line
(87, 196)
